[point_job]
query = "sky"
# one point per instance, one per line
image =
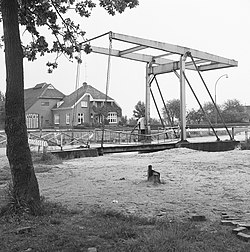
(220, 27)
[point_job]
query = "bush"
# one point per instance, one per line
(246, 145)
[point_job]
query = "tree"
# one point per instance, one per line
(173, 111)
(155, 121)
(139, 110)
(233, 111)
(132, 121)
(33, 14)
(124, 121)
(195, 116)
(210, 111)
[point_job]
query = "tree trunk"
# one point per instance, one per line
(25, 185)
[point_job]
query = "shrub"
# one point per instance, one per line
(246, 145)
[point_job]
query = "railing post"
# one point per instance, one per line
(61, 140)
(246, 135)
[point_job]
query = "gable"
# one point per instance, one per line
(74, 98)
(42, 90)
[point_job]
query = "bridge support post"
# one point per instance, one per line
(147, 101)
(182, 98)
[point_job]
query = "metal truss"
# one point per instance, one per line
(163, 58)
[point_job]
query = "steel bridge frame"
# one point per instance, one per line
(161, 63)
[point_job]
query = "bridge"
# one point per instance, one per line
(87, 142)
(164, 58)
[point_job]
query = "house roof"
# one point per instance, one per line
(41, 90)
(77, 95)
(108, 108)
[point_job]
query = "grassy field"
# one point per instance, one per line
(60, 229)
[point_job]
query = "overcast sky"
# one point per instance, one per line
(219, 27)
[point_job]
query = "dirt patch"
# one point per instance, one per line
(195, 182)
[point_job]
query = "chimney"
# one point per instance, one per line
(84, 84)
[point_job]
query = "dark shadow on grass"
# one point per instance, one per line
(45, 158)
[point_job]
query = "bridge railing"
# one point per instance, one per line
(62, 139)
(85, 138)
(126, 137)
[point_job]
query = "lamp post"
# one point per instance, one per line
(216, 115)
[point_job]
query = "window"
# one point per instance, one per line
(44, 103)
(84, 104)
(67, 118)
(32, 121)
(80, 118)
(56, 119)
(50, 87)
(112, 117)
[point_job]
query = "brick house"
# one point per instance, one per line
(86, 106)
(38, 103)
(47, 107)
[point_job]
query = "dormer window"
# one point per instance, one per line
(84, 104)
(50, 87)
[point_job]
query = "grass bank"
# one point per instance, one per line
(61, 229)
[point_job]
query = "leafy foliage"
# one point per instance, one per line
(232, 111)
(124, 121)
(173, 108)
(210, 111)
(67, 36)
(195, 116)
(155, 121)
(139, 110)
(117, 5)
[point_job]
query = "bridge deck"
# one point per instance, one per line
(144, 148)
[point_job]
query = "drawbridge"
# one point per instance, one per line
(165, 58)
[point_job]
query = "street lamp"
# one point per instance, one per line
(224, 75)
